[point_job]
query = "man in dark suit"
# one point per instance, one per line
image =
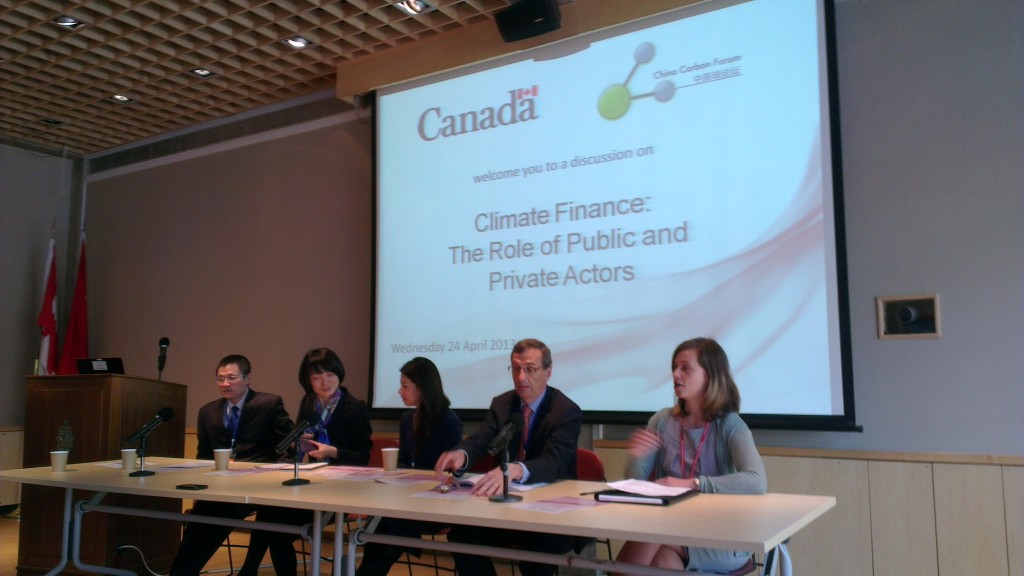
(251, 424)
(544, 452)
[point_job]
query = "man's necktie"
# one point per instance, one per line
(527, 412)
(233, 422)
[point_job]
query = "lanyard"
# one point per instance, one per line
(682, 450)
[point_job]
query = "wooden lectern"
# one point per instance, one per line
(102, 410)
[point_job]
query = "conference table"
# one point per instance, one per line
(751, 523)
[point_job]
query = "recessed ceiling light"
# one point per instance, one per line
(121, 99)
(68, 22)
(202, 72)
(297, 42)
(413, 7)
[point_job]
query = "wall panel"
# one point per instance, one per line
(1013, 495)
(261, 250)
(815, 549)
(902, 518)
(614, 460)
(970, 520)
(11, 442)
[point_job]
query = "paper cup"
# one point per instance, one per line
(389, 457)
(59, 460)
(128, 456)
(221, 458)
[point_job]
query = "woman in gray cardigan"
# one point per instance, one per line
(699, 443)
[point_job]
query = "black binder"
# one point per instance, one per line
(632, 498)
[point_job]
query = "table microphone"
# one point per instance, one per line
(299, 430)
(515, 422)
(165, 414)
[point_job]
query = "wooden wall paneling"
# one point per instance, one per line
(902, 518)
(10, 458)
(191, 448)
(614, 460)
(191, 443)
(839, 543)
(1013, 498)
(969, 520)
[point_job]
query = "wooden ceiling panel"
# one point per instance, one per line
(146, 48)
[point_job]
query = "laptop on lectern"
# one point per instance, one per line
(100, 366)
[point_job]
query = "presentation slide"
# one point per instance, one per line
(614, 195)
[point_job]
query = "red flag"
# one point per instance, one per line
(76, 337)
(46, 364)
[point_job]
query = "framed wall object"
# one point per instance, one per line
(914, 316)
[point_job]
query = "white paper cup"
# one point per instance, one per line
(128, 456)
(59, 460)
(389, 456)
(221, 458)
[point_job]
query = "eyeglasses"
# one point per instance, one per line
(530, 370)
(232, 378)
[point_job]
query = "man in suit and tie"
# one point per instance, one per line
(545, 451)
(251, 424)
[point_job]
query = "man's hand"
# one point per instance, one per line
(492, 483)
(449, 461)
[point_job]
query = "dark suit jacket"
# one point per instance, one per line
(262, 424)
(349, 428)
(551, 453)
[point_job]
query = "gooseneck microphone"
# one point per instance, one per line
(507, 432)
(165, 414)
(162, 358)
(299, 430)
(292, 436)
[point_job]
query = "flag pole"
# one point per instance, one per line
(47, 319)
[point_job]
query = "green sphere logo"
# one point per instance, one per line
(616, 99)
(614, 102)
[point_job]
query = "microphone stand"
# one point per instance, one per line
(296, 481)
(505, 496)
(142, 459)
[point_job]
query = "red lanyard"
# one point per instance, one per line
(696, 457)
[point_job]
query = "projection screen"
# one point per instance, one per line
(613, 195)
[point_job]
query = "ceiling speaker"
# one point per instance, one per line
(528, 18)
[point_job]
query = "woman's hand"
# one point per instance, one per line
(322, 451)
(643, 443)
(306, 445)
